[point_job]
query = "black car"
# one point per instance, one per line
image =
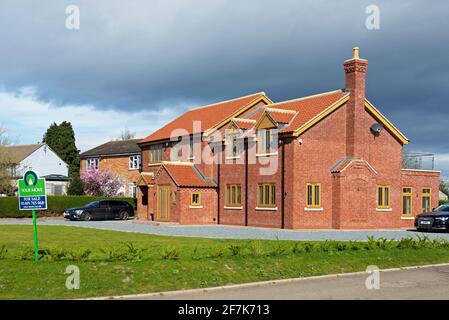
(101, 210)
(438, 219)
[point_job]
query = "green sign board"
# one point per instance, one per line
(32, 196)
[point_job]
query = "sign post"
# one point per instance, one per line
(32, 196)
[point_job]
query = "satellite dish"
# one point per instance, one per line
(376, 128)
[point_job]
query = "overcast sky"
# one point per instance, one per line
(139, 64)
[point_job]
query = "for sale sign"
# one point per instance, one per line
(31, 191)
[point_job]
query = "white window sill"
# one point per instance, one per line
(407, 218)
(232, 157)
(190, 158)
(266, 209)
(133, 169)
(196, 207)
(313, 209)
(232, 208)
(384, 210)
(266, 154)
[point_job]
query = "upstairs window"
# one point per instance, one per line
(92, 163)
(426, 199)
(313, 195)
(266, 141)
(134, 162)
(266, 195)
(383, 197)
(156, 153)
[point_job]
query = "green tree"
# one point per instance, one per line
(76, 186)
(444, 186)
(61, 139)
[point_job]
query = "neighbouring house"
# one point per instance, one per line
(443, 197)
(121, 157)
(330, 161)
(42, 159)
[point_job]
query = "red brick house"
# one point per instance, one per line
(121, 157)
(330, 160)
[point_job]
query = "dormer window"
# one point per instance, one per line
(265, 141)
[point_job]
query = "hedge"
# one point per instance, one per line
(9, 206)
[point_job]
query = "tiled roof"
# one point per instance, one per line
(186, 175)
(209, 116)
(308, 107)
(113, 148)
(244, 123)
(15, 154)
(282, 116)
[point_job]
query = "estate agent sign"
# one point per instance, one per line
(32, 196)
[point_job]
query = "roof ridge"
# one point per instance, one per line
(24, 145)
(178, 163)
(243, 120)
(306, 97)
(280, 110)
(225, 101)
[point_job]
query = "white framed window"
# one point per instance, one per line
(132, 190)
(134, 162)
(93, 163)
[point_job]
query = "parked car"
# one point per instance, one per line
(101, 210)
(438, 219)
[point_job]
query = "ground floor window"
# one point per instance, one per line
(132, 190)
(266, 195)
(426, 199)
(383, 197)
(195, 199)
(233, 195)
(313, 195)
(406, 201)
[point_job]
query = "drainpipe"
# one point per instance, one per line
(218, 190)
(282, 185)
(245, 147)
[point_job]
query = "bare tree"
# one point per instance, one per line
(5, 163)
(126, 134)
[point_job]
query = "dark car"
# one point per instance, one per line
(101, 210)
(438, 219)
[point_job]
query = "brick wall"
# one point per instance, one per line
(119, 165)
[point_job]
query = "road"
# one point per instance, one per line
(230, 232)
(430, 282)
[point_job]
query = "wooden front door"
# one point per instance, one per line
(163, 202)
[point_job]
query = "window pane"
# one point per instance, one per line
(260, 195)
(228, 192)
(273, 194)
(379, 197)
(386, 196)
(266, 199)
(309, 195)
(239, 195)
(317, 195)
(232, 194)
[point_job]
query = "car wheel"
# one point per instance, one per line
(86, 216)
(124, 215)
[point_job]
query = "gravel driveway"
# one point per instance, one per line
(229, 232)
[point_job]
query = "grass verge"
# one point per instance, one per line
(126, 263)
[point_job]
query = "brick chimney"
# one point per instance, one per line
(356, 131)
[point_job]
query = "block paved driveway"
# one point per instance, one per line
(230, 232)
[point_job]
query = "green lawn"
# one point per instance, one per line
(201, 262)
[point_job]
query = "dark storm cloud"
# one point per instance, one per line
(133, 55)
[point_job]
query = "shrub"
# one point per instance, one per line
(55, 254)
(278, 249)
(56, 205)
(80, 255)
(235, 249)
(217, 252)
(255, 248)
(171, 253)
(114, 254)
(134, 253)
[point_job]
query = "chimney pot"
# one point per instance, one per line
(356, 53)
